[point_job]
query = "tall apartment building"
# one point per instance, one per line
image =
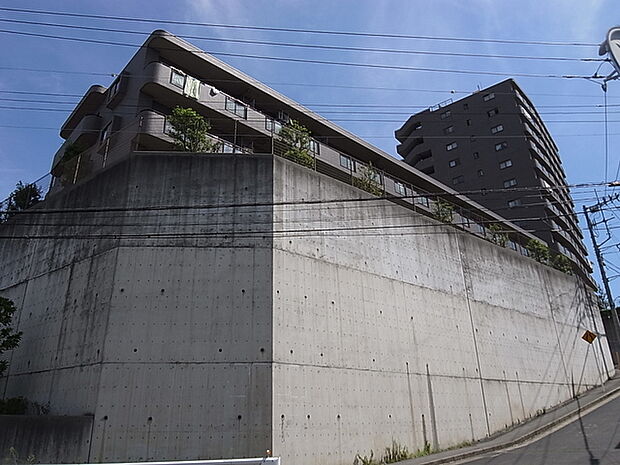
(179, 306)
(494, 147)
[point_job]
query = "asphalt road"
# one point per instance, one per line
(593, 439)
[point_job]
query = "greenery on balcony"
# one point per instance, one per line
(296, 138)
(443, 211)
(368, 180)
(190, 131)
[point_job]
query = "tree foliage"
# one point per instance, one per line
(9, 338)
(538, 251)
(562, 263)
(498, 236)
(443, 211)
(23, 197)
(190, 131)
(368, 180)
(296, 138)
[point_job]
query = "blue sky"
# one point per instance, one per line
(565, 105)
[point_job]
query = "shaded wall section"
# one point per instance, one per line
(148, 306)
(47, 439)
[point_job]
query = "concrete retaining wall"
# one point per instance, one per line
(224, 325)
(44, 439)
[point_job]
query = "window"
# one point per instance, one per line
(453, 163)
(236, 107)
(346, 162)
(489, 96)
(399, 187)
(167, 126)
(105, 132)
(480, 172)
(445, 114)
(512, 245)
(417, 126)
(465, 106)
(273, 125)
(501, 146)
(510, 182)
(514, 203)
(468, 122)
(284, 116)
(458, 180)
(313, 146)
(177, 78)
(451, 146)
(476, 155)
(492, 112)
(505, 164)
(422, 201)
(496, 129)
(448, 130)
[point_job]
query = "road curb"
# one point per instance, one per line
(525, 437)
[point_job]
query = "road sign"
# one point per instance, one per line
(588, 336)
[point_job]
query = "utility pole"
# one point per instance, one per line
(599, 258)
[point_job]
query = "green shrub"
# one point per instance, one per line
(368, 180)
(443, 211)
(538, 251)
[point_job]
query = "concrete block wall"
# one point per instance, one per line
(222, 324)
(391, 326)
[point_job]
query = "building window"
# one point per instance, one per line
(284, 116)
(496, 129)
(453, 163)
(505, 164)
(448, 130)
(417, 126)
(236, 107)
(458, 180)
(476, 155)
(489, 96)
(399, 187)
(466, 106)
(346, 162)
(313, 146)
(445, 114)
(451, 146)
(468, 122)
(510, 182)
(273, 125)
(177, 78)
(501, 146)
(480, 172)
(421, 200)
(514, 203)
(492, 112)
(512, 245)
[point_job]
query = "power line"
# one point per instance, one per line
(308, 46)
(297, 30)
(312, 61)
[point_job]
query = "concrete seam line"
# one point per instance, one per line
(526, 437)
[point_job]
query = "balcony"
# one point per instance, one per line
(84, 135)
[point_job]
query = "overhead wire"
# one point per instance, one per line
(296, 30)
(307, 46)
(310, 60)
